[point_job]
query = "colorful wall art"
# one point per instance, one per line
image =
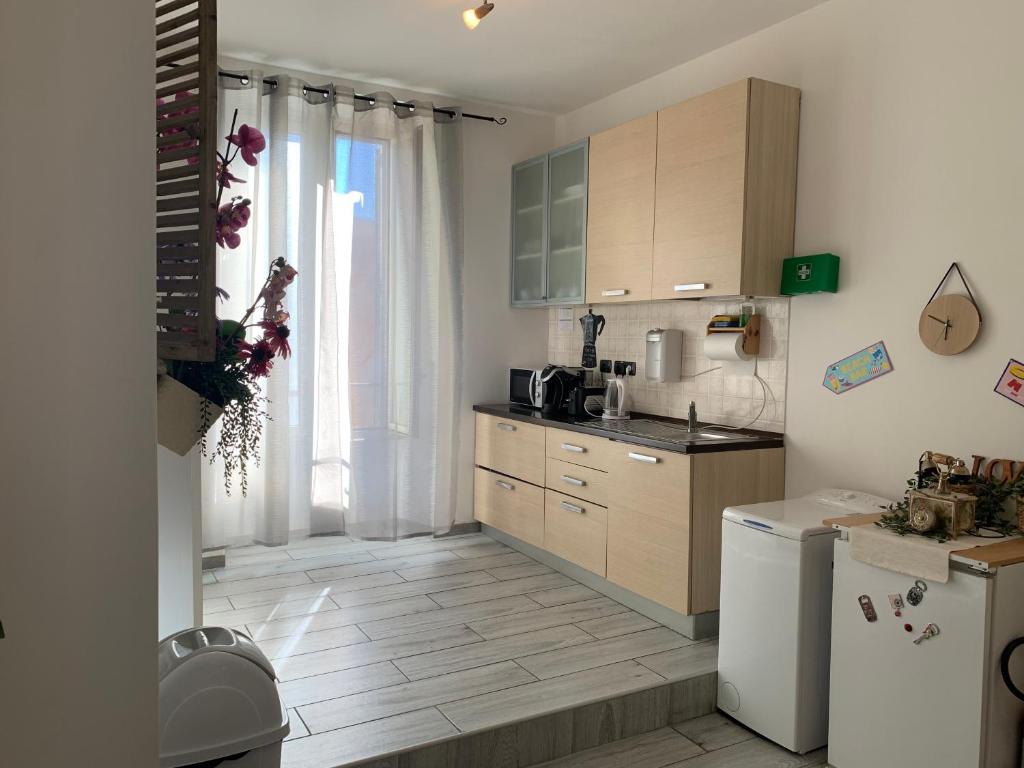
(858, 368)
(1011, 383)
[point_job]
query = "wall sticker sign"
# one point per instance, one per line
(858, 368)
(1011, 383)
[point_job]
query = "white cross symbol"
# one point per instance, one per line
(803, 271)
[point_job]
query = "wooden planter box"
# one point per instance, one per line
(179, 415)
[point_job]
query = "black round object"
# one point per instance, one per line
(1004, 666)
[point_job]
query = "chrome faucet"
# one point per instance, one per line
(691, 418)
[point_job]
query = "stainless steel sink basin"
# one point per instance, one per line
(660, 430)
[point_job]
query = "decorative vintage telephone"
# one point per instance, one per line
(927, 507)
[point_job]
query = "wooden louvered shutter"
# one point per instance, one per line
(186, 156)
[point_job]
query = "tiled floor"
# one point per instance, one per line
(382, 646)
(712, 741)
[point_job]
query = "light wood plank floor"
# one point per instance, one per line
(384, 646)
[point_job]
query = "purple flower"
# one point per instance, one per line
(250, 143)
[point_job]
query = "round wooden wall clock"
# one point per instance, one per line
(950, 323)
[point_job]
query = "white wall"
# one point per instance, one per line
(496, 336)
(78, 519)
(180, 556)
(910, 158)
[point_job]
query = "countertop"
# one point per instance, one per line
(1003, 552)
(745, 440)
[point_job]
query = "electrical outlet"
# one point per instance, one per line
(625, 368)
(606, 366)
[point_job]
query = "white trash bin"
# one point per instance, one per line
(218, 702)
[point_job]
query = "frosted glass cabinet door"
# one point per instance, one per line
(567, 223)
(529, 231)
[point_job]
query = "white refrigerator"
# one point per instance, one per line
(941, 703)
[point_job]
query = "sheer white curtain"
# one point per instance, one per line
(365, 201)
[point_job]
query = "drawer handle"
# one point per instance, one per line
(643, 457)
(505, 485)
(615, 292)
(574, 448)
(573, 481)
(572, 508)
(506, 427)
(690, 287)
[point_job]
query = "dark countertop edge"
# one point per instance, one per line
(756, 439)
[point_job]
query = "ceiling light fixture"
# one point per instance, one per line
(471, 18)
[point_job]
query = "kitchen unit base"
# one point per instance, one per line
(696, 627)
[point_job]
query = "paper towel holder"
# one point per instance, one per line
(751, 335)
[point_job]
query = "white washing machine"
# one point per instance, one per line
(775, 618)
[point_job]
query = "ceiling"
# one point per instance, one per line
(546, 55)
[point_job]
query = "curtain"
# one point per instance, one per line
(364, 199)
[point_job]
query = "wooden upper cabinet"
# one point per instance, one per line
(620, 220)
(726, 191)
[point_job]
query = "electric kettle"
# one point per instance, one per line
(615, 399)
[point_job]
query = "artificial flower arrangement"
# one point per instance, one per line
(230, 383)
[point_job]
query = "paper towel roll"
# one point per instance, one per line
(724, 346)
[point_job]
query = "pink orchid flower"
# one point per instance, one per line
(250, 143)
(225, 176)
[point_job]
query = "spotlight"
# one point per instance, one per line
(471, 18)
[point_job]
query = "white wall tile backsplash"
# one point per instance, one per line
(731, 400)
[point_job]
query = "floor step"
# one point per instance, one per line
(563, 733)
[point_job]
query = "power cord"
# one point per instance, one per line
(765, 389)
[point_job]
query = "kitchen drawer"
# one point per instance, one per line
(579, 481)
(510, 505)
(652, 482)
(511, 447)
(650, 557)
(576, 531)
(577, 448)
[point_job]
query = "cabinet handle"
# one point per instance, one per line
(573, 481)
(572, 508)
(689, 287)
(574, 448)
(503, 484)
(615, 292)
(643, 457)
(506, 427)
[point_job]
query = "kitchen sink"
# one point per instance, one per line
(661, 430)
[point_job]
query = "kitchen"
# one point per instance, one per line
(631, 385)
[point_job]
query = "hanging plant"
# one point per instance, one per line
(230, 383)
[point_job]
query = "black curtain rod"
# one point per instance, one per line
(451, 113)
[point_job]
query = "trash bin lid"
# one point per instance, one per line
(182, 646)
(218, 697)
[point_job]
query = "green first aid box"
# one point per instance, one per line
(810, 274)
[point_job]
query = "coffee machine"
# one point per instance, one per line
(558, 383)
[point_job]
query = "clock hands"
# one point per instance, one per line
(946, 325)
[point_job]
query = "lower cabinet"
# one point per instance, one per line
(510, 505)
(649, 523)
(665, 518)
(650, 557)
(645, 519)
(576, 530)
